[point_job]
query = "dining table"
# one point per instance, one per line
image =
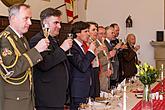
(114, 100)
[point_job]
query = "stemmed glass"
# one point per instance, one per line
(46, 32)
(113, 90)
(114, 58)
(120, 40)
(70, 36)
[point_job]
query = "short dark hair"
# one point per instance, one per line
(113, 25)
(93, 23)
(49, 12)
(14, 9)
(78, 26)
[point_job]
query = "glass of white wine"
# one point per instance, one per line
(46, 32)
(70, 36)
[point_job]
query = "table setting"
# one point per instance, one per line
(130, 94)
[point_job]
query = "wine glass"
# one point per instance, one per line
(120, 40)
(46, 32)
(70, 36)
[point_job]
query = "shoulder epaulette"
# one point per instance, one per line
(5, 34)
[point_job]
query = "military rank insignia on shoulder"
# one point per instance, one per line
(6, 52)
(4, 33)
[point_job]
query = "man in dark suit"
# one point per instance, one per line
(17, 59)
(116, 33)
(115, 41)
(51, 76)
(81, 68)
(115, 63)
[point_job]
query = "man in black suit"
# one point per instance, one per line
(51, 77)
(115, 41)
(115, 63)
(81, 68)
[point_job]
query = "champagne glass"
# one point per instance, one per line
(114, 58)
(101, 45)
(90, 40)
(46, 32)
(70, 36)
(120, 40)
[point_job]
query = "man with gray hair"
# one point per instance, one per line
(17, 60)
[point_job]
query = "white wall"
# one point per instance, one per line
(37, 6)
(147, 15)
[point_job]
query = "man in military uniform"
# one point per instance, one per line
(17, 59)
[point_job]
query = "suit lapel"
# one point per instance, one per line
(78, 48)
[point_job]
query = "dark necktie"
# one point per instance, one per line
(110, 44)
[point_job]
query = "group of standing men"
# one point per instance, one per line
(54, 75)
(48, 80)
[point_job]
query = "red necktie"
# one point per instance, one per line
(85, 47)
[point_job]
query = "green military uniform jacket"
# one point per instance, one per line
(16, 92)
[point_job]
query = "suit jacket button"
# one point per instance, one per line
(17, 98)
